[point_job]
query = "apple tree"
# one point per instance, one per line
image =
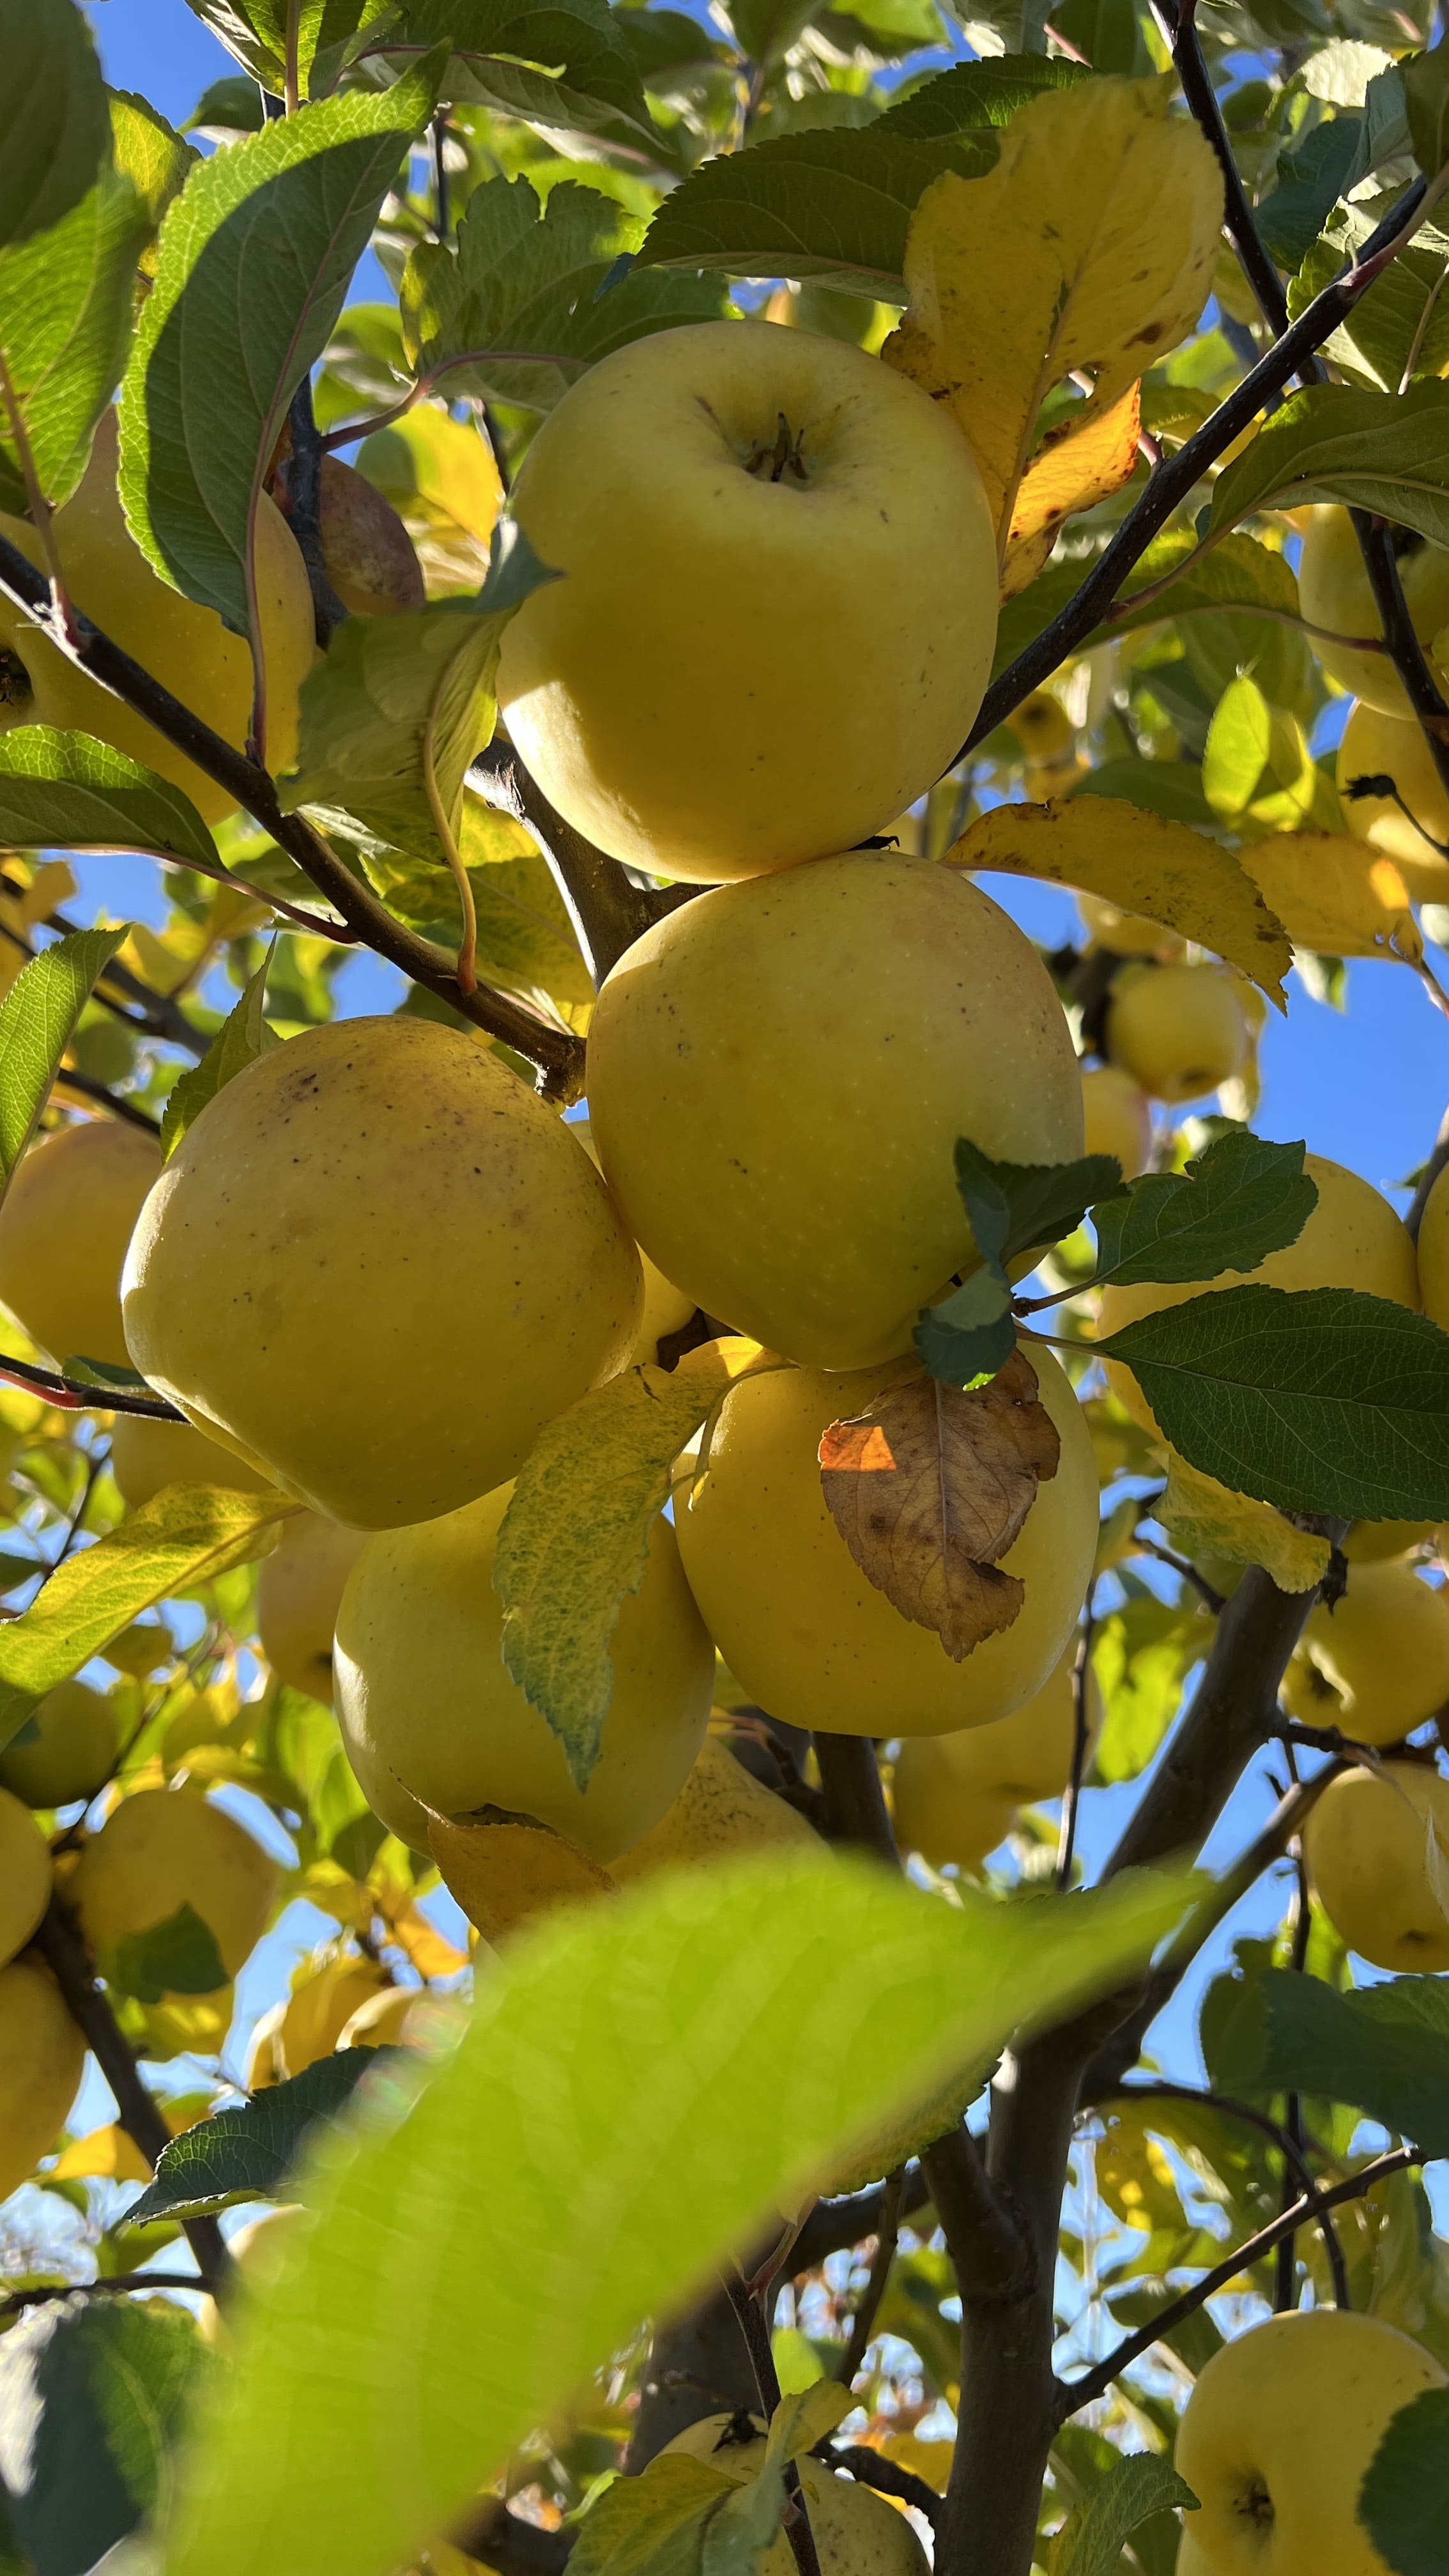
(662, 1482)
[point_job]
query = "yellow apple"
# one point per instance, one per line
(1381, 1655)
(1277, 2434)
(430, 1713)
(1382, 746)
(165, 1848)
(298, 1592)
(1128, 934)
(856, 2532)
(721, 1809)
(25, 1875)
(1179, 1031)
(1043, 728)
(1353, 1239)
(394, 2017)
(1368, 1542)
(666, 1308)
(779, 604)
(954, 1796)
(779, 1072)
(187, 648)
(1334, 592)
(64, 1228)
(65, 1751)
(1377, 1849)
(377, 1264)
(42, 2058)
(809, 1637)
(1118, 1118)
(148, 1456)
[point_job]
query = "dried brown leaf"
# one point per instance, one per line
(504, 1873)
(930, 1486)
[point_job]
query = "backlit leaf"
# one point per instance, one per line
(638, 2084)
(67, 791)
(54, 128)
(1140, 862)
(1372, 451)
(91, 2396)
(243, 1036)
(37, 1020)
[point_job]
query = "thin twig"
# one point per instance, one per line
(61, 1946)
(71, 1395)
(1207, 1593)
(1289, 2147)
(1170, 486)
(1285, 2260)
(756, 2332)
(1095, 2383)
(862, 2324)
(432, 377)
(872, 2469)
(556, 1052)
(110, 2285)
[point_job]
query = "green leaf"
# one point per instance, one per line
(1258, 772)
(37, 1019)
(1401, 323)
(637, 2086)
(106, 1373)
(182, 1537)
(1403, 2503)
(148, 152)
(328, 34)
(230, 106)
(241, 1039)
(654, 2524)
(1228, 1209)
(1311, 179)
(54, 129)
(575, 1538)
(66, 791)
(1092, 2539)
(1105, 33)
(1372, 451)
(177, 1957)
(836, 205)
(1141, 1656)
(394, 696)
(526, 940)
(66, 300)
(561, 63)
(92, 2392)
(1425, 79)
(1172, 788)
(255, 256)
(523, 279)
(1318, 1400)
(973, 97)
(248, 2150)
(1012, 1208)
(1384, 2049)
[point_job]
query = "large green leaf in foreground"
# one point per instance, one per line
(641, 2084)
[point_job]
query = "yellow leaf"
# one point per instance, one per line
(1204, 1518)
(928, 2460)
(421, 1944)
(1085, 459)
(1141, 863)
(575, 1537)
(107, 2155)
(1335, 895)
(1090, 245)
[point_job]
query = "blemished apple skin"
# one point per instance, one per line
(1352, 1239)
(180, 644)
(1178, 1031)
(856, 2533)
(1377, 1850)
(1277, 2434)
(779, 1072)
(1383, 1648)
(1375, 745)
(64, 1228)
(742, 667)
(1335, 593)
(42, 2057)
(428, 1708)
(800, 1626)
(359, 1214)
